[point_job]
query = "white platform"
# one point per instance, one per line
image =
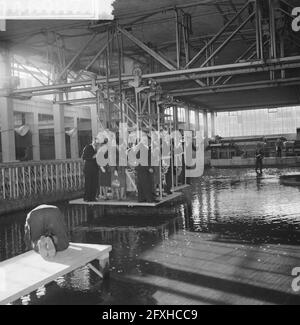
(126, 203)
(28, 272)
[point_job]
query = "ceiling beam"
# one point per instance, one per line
(237, 87)
(282, 63)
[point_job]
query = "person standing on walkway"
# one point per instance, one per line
(279, 146)
(91, 171)
(259, 156)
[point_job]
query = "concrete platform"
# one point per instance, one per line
(129, 204)
(28, 272)
(203, 269)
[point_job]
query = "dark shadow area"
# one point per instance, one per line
(227, 286)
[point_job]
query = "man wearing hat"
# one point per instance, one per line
(91, 171)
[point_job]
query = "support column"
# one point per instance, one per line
(7, 130)
(94, 120)
(187, 118)
(205, 122)
(197, 120)
(6, 108)
(213, 124)
(59, 131)
(175, 114)
(32, 120)
(74, 140)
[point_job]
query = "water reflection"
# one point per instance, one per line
(234, 205)
(257, 209)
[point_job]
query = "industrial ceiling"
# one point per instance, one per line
(272, 83)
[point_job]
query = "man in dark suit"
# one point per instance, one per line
(91, 171)
(145, 174)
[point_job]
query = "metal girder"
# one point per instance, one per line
(258, 30)
(29, 72)
(240, 58)
(147, 49)
(272, 29)
(178, 40)
(286, 13)
(39, 70)
(255, 66)
(237, 87)
(227, 40)
(165, 9)
(232, 73)
(98, 55)
(248, 58)
(232, 5)
(151, 52)
(287, 4)
(78, 101)
(197, 56)
(178, 44)
(77, 55)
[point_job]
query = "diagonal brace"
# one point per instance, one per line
(197, 56)
(147, 49)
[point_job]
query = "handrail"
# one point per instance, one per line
(21, 180)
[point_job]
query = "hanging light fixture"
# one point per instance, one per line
(23, 130)
(72, 133)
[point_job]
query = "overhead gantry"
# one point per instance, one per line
(255, 48)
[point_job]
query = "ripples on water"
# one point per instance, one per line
(234, 204)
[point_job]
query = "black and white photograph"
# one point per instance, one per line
(149, 155)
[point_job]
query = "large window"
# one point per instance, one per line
(274, 121)
(169, 114)
(181, 115)
(47, 144)
(192, 119)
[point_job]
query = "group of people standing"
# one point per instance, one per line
(101, 180)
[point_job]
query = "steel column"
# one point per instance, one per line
(196, 57)
(178, 39)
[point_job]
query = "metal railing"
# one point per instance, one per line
(34, 179)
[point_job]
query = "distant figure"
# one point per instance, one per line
(91, 171)
(259, 156)
(145, 175)
(279, 146)
(45, 231)
(27, 154)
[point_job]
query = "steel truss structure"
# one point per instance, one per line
(266, 55)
